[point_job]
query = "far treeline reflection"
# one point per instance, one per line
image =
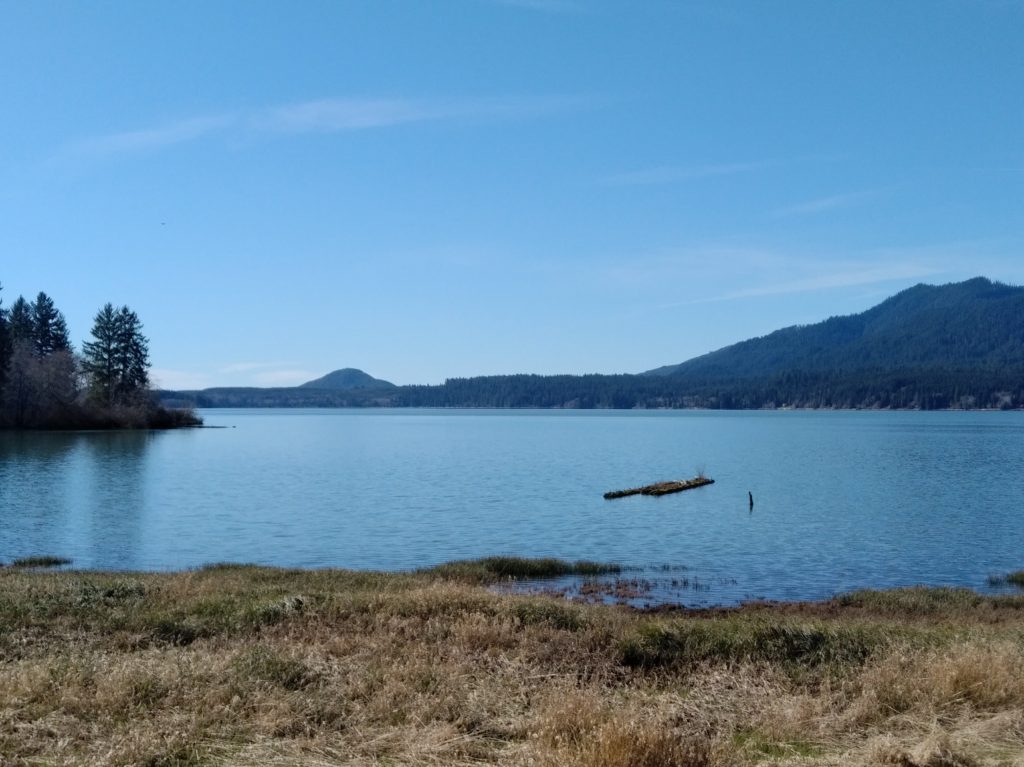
(44, 384)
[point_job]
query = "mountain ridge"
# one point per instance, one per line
(959, 345)
(975, 323)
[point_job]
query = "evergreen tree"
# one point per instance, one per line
(20, 322)
(41, 378)
(5, 346)
(132, 354)
(116, 361)
(49, 329)
(99, 356)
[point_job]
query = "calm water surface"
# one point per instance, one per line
(842, 500)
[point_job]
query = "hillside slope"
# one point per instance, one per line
(346, 379)
(977, 324)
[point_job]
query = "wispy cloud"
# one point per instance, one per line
(248, 367)
(334, 115)
(159, 137)
(265, 373)
(237, 374)
(866, 275)
(732, 271)
(328, 115)
(822, 204)
(166, 378)
(702, 262)
(315, 116)
(670, 174)
(283, 377)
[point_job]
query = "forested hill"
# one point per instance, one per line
(347, 378)
(966, 325)
(952, 346)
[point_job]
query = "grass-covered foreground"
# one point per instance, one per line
(242, 665)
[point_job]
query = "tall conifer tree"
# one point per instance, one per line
(132, 354)
(5, 346)
(117, 359)
(20, 323)
(99, 356)
(49, 329)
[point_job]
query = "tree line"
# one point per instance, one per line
(930, 388)
(45, 384)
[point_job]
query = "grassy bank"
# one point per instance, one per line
(238, 665)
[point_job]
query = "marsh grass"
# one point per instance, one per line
(238, 665)
(41, 561)
(923, 602)
(788, 644)
(490, 569)
(1013, 579)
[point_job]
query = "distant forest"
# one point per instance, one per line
(44, 384)
(923, 389)
(926, 348)
(920, 389)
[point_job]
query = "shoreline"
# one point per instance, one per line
(122, 420)
(786, 409)
(639, 588)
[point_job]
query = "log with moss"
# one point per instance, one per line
(662, 488)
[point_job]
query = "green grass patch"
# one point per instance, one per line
(921, 601)
(761, 746)
(558, 615)
(739, 639)
(491, 569)
(43, 561)
(224, 567)
(177, 632)
(1012, 579)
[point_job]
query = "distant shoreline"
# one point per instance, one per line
(620, 410)
(159, 419)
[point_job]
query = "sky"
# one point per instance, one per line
(438, 188)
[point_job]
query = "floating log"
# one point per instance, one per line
(662, 488)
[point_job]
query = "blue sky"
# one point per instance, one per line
(464, 187)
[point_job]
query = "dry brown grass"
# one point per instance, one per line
(239, 666)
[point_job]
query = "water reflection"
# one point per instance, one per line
(80, 495)
(115, 496)
(40, 448)
(33, 492)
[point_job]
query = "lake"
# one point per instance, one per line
(843, 500)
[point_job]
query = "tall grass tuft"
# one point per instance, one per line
(491, 569)
(734, 641)
(41, 561)
(920, 601)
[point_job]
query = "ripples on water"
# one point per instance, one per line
(842, 500)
